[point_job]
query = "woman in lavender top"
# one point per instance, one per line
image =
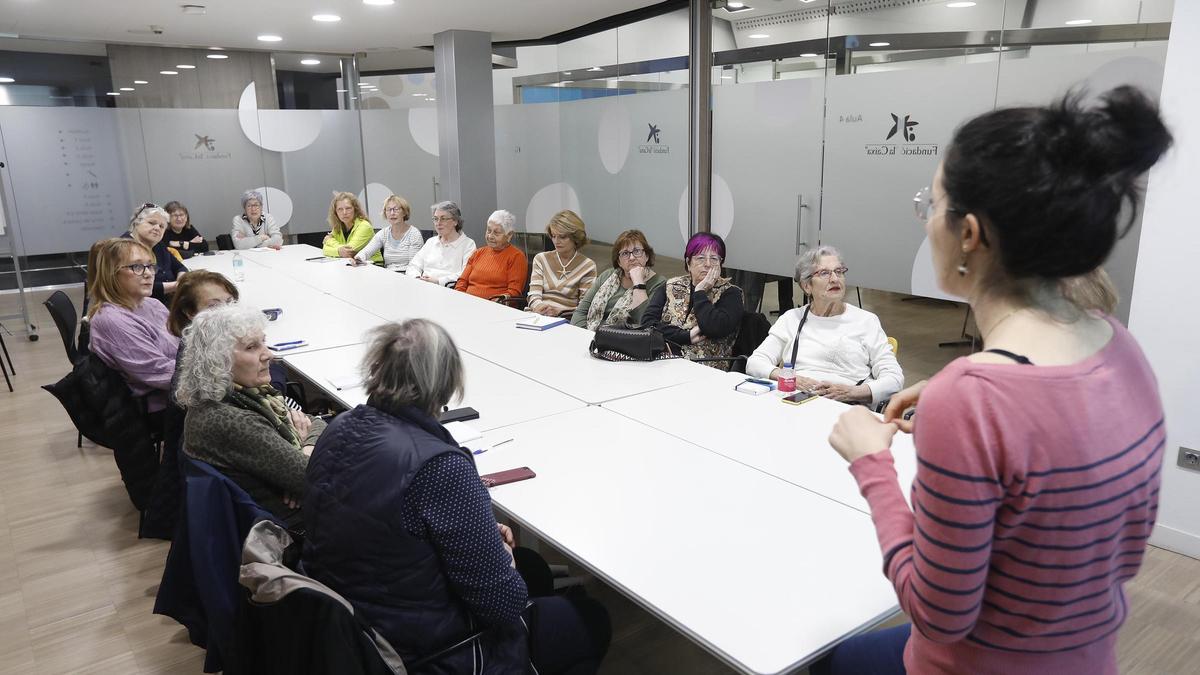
(128, 327)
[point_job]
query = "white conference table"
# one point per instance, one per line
(786, 441)
(762, 574)
(501, 397)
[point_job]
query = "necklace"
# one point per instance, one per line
(568, 263)
(992, 329)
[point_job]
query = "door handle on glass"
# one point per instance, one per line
(801, 236)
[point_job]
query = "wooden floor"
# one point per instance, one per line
(77, 586)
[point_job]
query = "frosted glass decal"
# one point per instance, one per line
(721, 218)
(278, 130)
(549, 201)
(372, 201)
(613, 137)
(423, 125)
(277, 203)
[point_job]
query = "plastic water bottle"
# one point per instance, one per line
(239, 272)
(787, 378)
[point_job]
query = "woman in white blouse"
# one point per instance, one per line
(443, 257)
(841, 351)
(400, 242)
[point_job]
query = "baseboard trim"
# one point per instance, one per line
(1175, 540)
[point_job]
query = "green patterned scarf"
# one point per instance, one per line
(269, 403)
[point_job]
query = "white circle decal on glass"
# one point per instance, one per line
(547, 202)
(423, 125)
(721, 219)
(391, 85)
(277, 203)
(613, 138)
(372, 202)
(277, 130)
(924, 278)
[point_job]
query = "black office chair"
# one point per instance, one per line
(224, 242)
(428, 234)
(62, 310)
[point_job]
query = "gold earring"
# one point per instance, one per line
(962, 266)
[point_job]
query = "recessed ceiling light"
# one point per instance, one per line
(880, 44)
(310, 62)
(6, 80)
(595, 69)
(1078, 22)
(114, 93)
(808, 55)
(269, 38)
(959, 5)
(758, 36)
(167, 72)
(726, 77)
(420, 94)
(379, 2)
(184, 66)
(216, 49)
(364, 84)
(326, 18)
(126, 88)
(566, 72)
(431, 99)
(140, 82)
(217, 56)
(735, 4)
(342, 91)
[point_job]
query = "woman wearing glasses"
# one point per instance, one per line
(442, 259)
(836, 350)
(701, 311)
(619, 295)
(1038, 459)
(399, 242)
(253, 228)
(128, 326)
(147, 227)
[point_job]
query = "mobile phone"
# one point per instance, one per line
(800, 397)
(272, 313)
(458, 415)
(492, 480)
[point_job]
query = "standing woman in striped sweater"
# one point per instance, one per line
(1038, 459)
(563, 276)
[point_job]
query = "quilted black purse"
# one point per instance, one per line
(626, 343)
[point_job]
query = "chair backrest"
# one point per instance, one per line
(428, 234)
(62, 310)
(895, 344)
(312, 238)
(224, 242)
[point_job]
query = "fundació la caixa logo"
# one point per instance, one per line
(653, 135)
(908, 133)
(208, 143)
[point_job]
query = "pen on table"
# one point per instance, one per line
(755, 380)
(495, 445)
(285, 344)
(320, 257)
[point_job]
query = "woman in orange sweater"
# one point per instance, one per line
(496, 272)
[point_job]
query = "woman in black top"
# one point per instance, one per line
(180, 235)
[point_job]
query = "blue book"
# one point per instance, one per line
(540, 322)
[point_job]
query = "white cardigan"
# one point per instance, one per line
(251, 240)
(845, 349)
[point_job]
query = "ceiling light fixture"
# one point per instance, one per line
(736, 5)
(6, 80)
(140, 82)
(808, 55)
(184, 66)
(126, 88)
(880, 44)
(217, 56)
(566, 72)
(381, 3)
(269, 38)
(326, 18)
(342, 91)
(431, 99)
(726, 77)
(959, 5)
(167, 72)
(758, 36)
(217, 49)
(420, 94)
(114, 93)
(310, 62)
(595, 69)
(1078, 22)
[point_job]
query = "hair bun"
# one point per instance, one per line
(1122, 136)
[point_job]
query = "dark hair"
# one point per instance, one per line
(1048, 184)
(173, 206)
(631, 237)
(184, 306)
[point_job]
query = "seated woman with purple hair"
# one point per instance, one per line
(700, 311)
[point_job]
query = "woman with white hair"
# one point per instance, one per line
(836, 350)
(253, 228)
(399, 523)
(147, 227)
(236, 421)
(443, 257)
(498, 271)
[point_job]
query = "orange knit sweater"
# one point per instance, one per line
(490, 272)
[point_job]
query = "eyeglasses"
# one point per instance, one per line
(139, 269)
(443, 219)
(392, 209)
(825, 274)
(632, 253)
(923, 205)
(710, 259)
(143, 207)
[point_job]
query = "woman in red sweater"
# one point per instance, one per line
(1038, 459)
(497, 271)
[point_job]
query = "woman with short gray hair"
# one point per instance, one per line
(253, 228)
(399, 523)
(442, 259)
(236, 421)
(836, 350)
(147, 226)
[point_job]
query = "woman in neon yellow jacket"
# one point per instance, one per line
(349, 229)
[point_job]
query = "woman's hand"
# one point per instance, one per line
(510, 542)
(426, 277)
(544, 309)
(242, 235)
(639, 274)
(291, 502)
(709, 279)
(846, 393)
(301, 422)
(902, 401)
(197, 239)
(859, 433)
(347, 252)
(696, 336)
(328, 238)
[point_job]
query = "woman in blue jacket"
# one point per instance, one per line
(400, 524)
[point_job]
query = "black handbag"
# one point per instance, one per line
(626, 343)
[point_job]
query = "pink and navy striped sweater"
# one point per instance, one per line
(1036, 490)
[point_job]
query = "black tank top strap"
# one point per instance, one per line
(1007, 354)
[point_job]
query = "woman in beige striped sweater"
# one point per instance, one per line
(563, 276)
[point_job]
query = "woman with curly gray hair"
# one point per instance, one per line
(236, 420)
